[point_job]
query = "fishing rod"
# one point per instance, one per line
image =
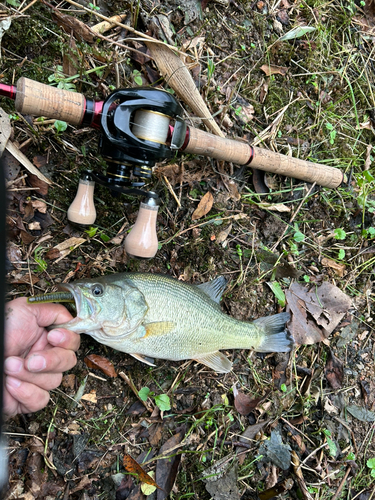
(140, 127)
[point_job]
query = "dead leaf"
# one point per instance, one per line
(97, 362)
(270, 69)
(39, 205)
(223, 235)
(338, 268)
(278, 207)
(223, 486)
(204, 206)
(361, 414)
(166, 468)
(65, 248)
(134, 468)
(316, 311)
(34, 226)
(91, 397)
(155, 433)
(334, 371)
(40, 185)
(244, 403)
(70, 23)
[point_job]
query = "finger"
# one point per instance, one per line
(25, 397)
(64, 338)
(16, 368)
(54, 360)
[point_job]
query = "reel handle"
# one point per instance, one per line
(142, 241)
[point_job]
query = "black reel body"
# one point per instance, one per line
(128, 144)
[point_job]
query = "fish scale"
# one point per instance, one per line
(156, 316)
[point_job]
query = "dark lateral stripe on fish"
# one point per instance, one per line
(52, 297)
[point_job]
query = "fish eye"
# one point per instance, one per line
(97, 290)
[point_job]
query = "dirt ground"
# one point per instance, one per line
(295, 78)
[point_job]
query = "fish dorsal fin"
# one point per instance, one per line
(159, 328)
(217, 361)
(214, 289)
(144, 359)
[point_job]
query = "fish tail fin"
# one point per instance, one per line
(276, 338)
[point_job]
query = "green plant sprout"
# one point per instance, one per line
(371, 465)
(162, 401)
(42, 264)
(332, 133)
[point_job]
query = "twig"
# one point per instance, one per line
(171, 191)
(28, 6)
(342, 484)
(125, 26)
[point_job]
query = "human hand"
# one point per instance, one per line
(35, 358)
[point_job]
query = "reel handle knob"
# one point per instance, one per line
(142, 241)
(82, 210)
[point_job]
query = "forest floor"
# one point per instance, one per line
(295, 78)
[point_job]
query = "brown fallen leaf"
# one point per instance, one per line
(166, 468)
(69, 23)
(97, 362)
(65, 248)
(316, 311)
(90, 397)
(338, 268)
(244, 403)
(134, 468)
(334, 371)
(204, 206)
(270, 69)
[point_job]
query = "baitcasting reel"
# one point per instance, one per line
(136, 132)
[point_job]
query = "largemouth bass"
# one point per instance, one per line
(155, 316)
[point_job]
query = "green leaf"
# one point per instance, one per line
(143, 393)
(163, 402)
(104, 237)
(298, 236)
(341, 253)
(371, 463)
(350, 456)
(278, 292)
(92, 231)
(340, 234)
(60, 126)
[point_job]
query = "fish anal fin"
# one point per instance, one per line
(144, 359)
(214, 289)
(217, 361)
(159, 328)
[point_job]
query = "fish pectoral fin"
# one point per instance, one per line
(159, 328)
(217, 361)
(144, 359)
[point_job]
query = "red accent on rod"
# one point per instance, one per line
(8, 91)
(187, 138)
(98, 106)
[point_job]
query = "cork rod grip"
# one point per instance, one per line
(38, 99)
(241, 153)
